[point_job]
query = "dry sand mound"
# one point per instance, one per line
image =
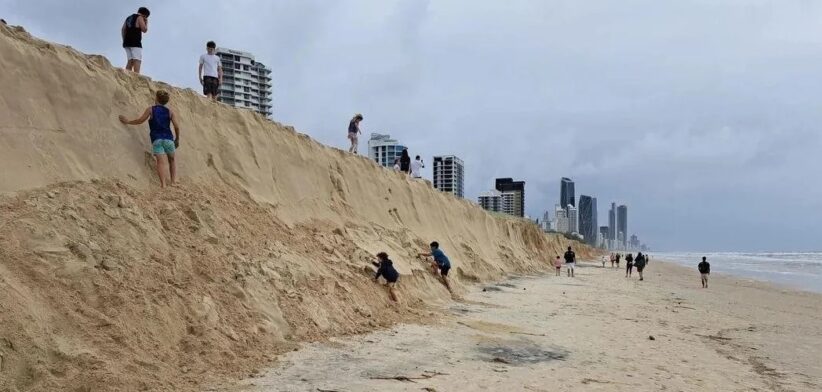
(109, 283)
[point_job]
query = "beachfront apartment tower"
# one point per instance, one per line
(514, 191)
(491, 201)
(604, 232)
(622, 224)
(573, 219)
(246, 82)
(384, 150)
(566, 192)
(449, 174)
(588, 225)
(562, 219)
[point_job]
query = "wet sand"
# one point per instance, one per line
(596, 332)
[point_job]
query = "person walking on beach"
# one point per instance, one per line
(354, 132)
(163, 141)
(629, 265)
(570, 261)
(441, 264)
(416, 167)
(210, 71)
(639, 263)
(604, 260)
(385, 268)
(613, 258)
(405, 161)
(704, 269)
(618, 256)
(558, 265)
(132, 33)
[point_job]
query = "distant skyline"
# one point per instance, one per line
(701, 116)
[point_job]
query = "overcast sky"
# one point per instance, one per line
(702, 116)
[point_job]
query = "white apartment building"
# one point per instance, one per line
(491, 201)
(561, 219)
(246, 82)
(384, 150)
(573, 221)
(449, 172)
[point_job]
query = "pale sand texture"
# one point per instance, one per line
(735, 336)
(109, 283)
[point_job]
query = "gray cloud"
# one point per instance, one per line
(702, 116)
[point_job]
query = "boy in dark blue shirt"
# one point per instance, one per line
(441, 264)
(163, 142)
(385, 268)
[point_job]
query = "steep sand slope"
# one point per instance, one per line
(108, 283)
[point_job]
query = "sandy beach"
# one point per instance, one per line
(596, 332)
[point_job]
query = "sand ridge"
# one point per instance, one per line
(109, 283)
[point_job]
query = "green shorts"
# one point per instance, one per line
(163, 147)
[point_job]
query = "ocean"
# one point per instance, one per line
(799, 270)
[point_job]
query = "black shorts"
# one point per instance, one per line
(211, 85)
(444, 271)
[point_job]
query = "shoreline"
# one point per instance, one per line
(593, 333)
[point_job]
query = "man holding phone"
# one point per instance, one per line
(132, 33)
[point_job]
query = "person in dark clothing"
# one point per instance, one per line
(618, 257)
(629, 264)
(405, 161)
(354, 132)
(441, 264)
(704, 269)
(639, 263)
(385, 268)
(132, 33)
(570, 261)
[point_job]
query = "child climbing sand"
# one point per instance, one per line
(441, 264)
(163, 142)
(558, 265)
(385, 268)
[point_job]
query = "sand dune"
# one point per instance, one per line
(109, 283)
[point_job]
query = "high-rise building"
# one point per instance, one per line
(561, 219)
(516, 193)
(246, 82)
(612, 229)
(384, 150)
(622, 223)
(634, 242)
(491, 201)
(588, 225)
(566, 192)
(449, 174)
(573, 219)
(604, 232)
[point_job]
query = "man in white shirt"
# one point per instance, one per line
(416, 166)
(211, 71)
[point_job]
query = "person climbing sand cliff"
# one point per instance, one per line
(163, 141)
(441, 265)
(354, 132)
(385, 268)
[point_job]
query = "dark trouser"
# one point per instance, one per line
(628, 268)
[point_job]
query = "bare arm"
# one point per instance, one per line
(176, 128)
(138, 120)
(142, 23)
(200, 72)
(220, 72)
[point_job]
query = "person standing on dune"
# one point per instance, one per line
(354, 132)
(405, 161)
(163, 143)
(416, 166)
(132, 33)
(210, 71)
